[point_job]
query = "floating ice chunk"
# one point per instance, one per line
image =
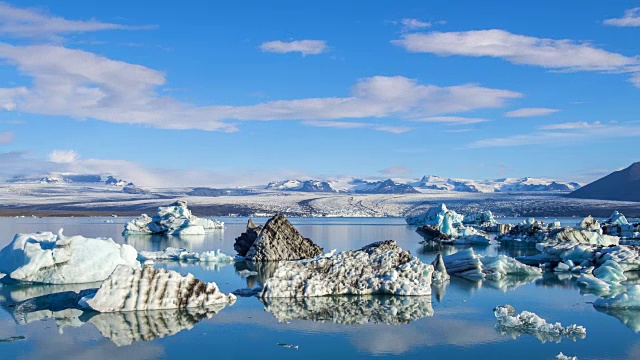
(434, 216)
(617, 219)
(628, 299)
(589, 224)
(246, 273)
(464, 263)
(529, 323)
(379, 268)
(129, 289)
(467, 263)
(175, 219)
(56, 259)
(628, 257)
(440, 274)
(180, 254)
(483, 218)
(562, 356)
(605, 280)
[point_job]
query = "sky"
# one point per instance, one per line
(239, 93)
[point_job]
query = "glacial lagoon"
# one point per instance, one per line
(456, 322)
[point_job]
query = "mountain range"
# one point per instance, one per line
(621, 185)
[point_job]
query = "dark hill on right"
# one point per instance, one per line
(622, 185)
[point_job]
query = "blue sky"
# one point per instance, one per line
(243, 92)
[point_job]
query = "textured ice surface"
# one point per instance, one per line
(180, 254)
(56, 259)
(508, 322)
(625, 300)
(466, 263)
(379, 268)
(605, 279)
(175, 219)
(129, 289)
(351, 309)
(279, 240)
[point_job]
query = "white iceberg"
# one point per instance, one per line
(434, 216)
(468, 264)
(562, 356)
(175, 219)
(508, 322)
(180, 254)
(47, 258)
(626, 300)
(129, 289)
(378, 268)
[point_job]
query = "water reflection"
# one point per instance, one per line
(351, 309)
(629, 317)
(265, 270)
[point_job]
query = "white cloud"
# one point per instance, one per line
(63, 156)
(566, 55)
(530, 112)
(6, 137)
(305, 47)
(572, 125)
(335, 124)
(409, 24)
(631, 18)
(452, 120)
(393, 129)
(570, 134)
(33, 23)
(394, 171)
(83, 85)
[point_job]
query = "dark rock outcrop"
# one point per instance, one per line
(279, 240)
(246, 239)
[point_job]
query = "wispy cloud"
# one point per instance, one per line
(451, 120)
(530, 112)
(304, 47)
(565, 55)
(409, 24)
(394, 171)
(631, 18)
(562, 135)
(63, 156)
(335, 124)
(6, 137)
(393, 129)
(81, 84)
(35, 23)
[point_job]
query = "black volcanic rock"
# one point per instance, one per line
(388, 187)
(279, 240)
(246, 239)
(622, 185)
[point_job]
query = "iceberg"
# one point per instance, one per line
(243, 243)
(440, 274)
(562, 356)
(180, 254)
(350, 310)
(508, 322)
(378, 268)
(175, 219)
(56, 259)
(279, 240)
(129, 289)
(604, 279)
(629, 299)
(468, 264)
(435, 216)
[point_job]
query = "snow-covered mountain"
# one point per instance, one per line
(432, 182)
(69, 179)
(301, 185)
(382, 187)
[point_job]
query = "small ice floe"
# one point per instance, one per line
(626, 300)
(180, 254)
(288, 346)
(508, 322)
(379, 268)
(246, 273)
(175, 219)
(466, 263)
(47, 258)
(562, 356)
(128, 289)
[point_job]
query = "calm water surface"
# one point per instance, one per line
(457, 322)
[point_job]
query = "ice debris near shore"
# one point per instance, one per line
(532, 231)
(279, 240)
(378, 268)
(179, 254)
(439, 224)
(362, 309)
(466, 263)
(508, 322)
(129, 289)
(175, 219)
(47, 258)
(629, 299)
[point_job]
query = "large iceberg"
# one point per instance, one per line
(466, 263)
(435, 216)
(379, 268)
(441, 225)
(175, 219)
(129, 289)
(279, 240)
(508, 322)
(47, 258)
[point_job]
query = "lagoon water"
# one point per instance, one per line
(457, 322)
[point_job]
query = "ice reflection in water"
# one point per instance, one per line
(351, 309)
